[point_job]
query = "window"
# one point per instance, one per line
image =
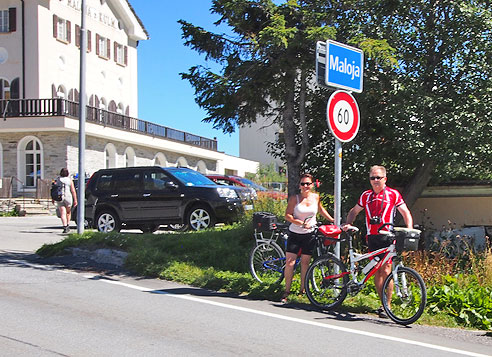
(30, 156)
(61, 29)
(1, 161)
(103, 47)
(155, 181)
(4, 89)
(127, 181)
(129, 157)
(160, 160)
(60, 92)
(104, 183)
(120, 54)
(109, 156)
(181, 162)
(4, 20)
(8, 20)
(88, 38)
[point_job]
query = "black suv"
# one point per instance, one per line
(146, 197)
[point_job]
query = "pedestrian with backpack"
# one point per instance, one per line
(65, 197)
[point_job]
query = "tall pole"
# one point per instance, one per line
(338, 189)
(82, 116)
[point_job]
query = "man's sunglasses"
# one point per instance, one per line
(376, 178)
(306, 183)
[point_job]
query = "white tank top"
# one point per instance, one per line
(302, 212)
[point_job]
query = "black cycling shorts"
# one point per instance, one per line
(377, 241)
(301, 242)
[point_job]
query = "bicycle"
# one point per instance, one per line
(267, 257)
(328, 281)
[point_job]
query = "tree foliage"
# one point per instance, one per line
(267, 66)
(427, 84)
(427, 119)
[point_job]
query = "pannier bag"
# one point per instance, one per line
(264, 221)
(407, 239)
(56, 190)
(331, 232)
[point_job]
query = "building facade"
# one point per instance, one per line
(254, 139)
(39, 96)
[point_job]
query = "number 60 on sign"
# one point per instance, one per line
(343, 116)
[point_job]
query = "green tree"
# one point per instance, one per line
(267, 69)
(424, 116)
(428, 118)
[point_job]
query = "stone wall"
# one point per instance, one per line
(60, 149)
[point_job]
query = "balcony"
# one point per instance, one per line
(15, 108)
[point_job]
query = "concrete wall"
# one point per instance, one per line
(446, 212)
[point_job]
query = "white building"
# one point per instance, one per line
(39, 81)
(254, 139)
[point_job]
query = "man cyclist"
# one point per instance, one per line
(380, 204)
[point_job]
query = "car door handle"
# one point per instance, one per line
(114, 195)
(146, 194)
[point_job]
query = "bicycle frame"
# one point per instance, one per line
(354, 257)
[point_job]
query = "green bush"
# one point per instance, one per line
(470, 304)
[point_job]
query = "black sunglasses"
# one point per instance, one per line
(306, 183)
(376, 178)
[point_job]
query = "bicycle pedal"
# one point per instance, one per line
(353, 288)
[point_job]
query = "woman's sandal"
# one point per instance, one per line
(284, 297)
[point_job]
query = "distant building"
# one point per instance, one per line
(39, 81)
(254, 139)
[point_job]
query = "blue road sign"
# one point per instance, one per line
(344, 66)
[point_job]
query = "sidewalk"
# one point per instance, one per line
(27, 234)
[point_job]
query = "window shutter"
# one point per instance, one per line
(97, 44)
(89, 41)
(108, 48)
(55, 26)
(126, 56)
(12, 19)
(77, 35)
(115, 51)
(69, 31)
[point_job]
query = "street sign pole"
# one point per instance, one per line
(337, 191)
(342, 115)
(343, 67)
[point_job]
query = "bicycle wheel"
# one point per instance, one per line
(326, 282)
(408, 296)
(266, 263)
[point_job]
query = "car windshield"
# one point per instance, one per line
(192, 178)
(250, 183)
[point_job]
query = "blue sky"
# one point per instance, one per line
(164, 98)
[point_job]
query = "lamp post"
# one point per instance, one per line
(82, 116)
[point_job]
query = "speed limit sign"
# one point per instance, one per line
(343, 116)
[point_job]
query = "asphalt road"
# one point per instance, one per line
(67, 307)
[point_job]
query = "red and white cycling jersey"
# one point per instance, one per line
(382, 205)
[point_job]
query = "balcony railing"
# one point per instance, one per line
(14, 108)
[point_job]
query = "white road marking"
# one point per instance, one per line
(252, 311)
(294, 319)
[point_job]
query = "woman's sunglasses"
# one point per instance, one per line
(306, 183)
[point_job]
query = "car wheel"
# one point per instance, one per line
(107, 221)
(178, 227)
(200, 218)
(87, 223)
(150, 228)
